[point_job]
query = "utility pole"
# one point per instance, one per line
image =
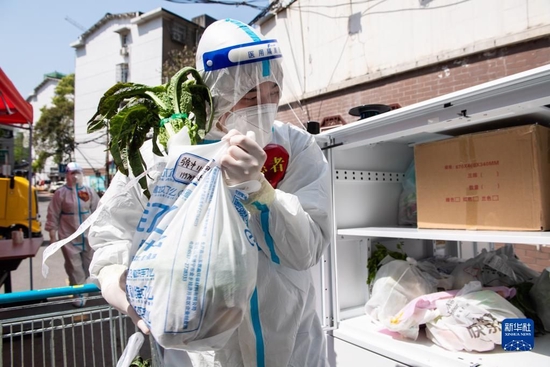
(107, 178)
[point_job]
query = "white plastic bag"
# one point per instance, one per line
(195, 260)
(444, 281)
(424, 309)
(471, 321)
(396, 284)
(407, 199)
(131, 351)
(493, 268)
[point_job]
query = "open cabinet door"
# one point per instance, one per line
(323, 279)
(324, 276)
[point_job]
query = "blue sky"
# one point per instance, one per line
(35, 36)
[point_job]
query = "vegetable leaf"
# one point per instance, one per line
(132, 111)
(377, 255)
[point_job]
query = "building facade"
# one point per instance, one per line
(44, 92)
(129, 47)
(338, 56)
(41, 97)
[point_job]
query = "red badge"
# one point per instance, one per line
(275, 165)
(83, 195)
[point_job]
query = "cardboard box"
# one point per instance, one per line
(498, 180)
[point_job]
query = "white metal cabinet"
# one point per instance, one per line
(368, 159)
(343, 353)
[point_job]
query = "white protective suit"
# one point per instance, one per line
(291, 224)
(71, 205)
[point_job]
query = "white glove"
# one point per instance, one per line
(112, 281)
(244, 159)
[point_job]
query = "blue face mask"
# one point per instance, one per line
(258, 119)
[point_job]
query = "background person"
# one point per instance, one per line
(71, 205)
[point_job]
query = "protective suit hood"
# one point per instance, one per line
(74, 175)
(233, 59)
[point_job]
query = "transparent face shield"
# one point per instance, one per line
(255, 112)
(245, 81)
(75, 179)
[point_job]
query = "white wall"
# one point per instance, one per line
(146, 53)
(43, 97)
(320, 54)
(95, 73)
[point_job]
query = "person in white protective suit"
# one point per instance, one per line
(71, 205)
(287, 177)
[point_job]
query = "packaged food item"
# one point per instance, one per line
(396, 284)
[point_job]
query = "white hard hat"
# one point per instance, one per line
(73, 166)
(233, 59)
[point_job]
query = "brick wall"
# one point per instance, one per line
(425, 83)
(535, 259)
(429, 82)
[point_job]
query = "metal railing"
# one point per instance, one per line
(51, 332)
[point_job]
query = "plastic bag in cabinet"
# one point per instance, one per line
(471, 321)
(396, 284)
(424, 309)
(493, 268)
(407, 199)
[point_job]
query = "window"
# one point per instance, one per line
(122, 73)
(179, 33)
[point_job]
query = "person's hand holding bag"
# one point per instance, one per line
(112, 280)
(244, 159)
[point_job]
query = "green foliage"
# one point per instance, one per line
(130, 111)
(54, 131)
(39, 163)
(176, 60)
(376, 256)
(140, 362)
(20, 153)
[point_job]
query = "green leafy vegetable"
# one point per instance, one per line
(376, 256)
(130, 111)
(140, 362)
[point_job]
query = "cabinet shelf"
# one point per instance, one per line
(517, 237)
(424, 353)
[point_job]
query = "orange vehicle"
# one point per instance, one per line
(14, 207)
(15, 211)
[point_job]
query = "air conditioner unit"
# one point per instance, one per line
(176, 36)
(124, 51)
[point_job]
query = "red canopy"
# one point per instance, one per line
(13, 107)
